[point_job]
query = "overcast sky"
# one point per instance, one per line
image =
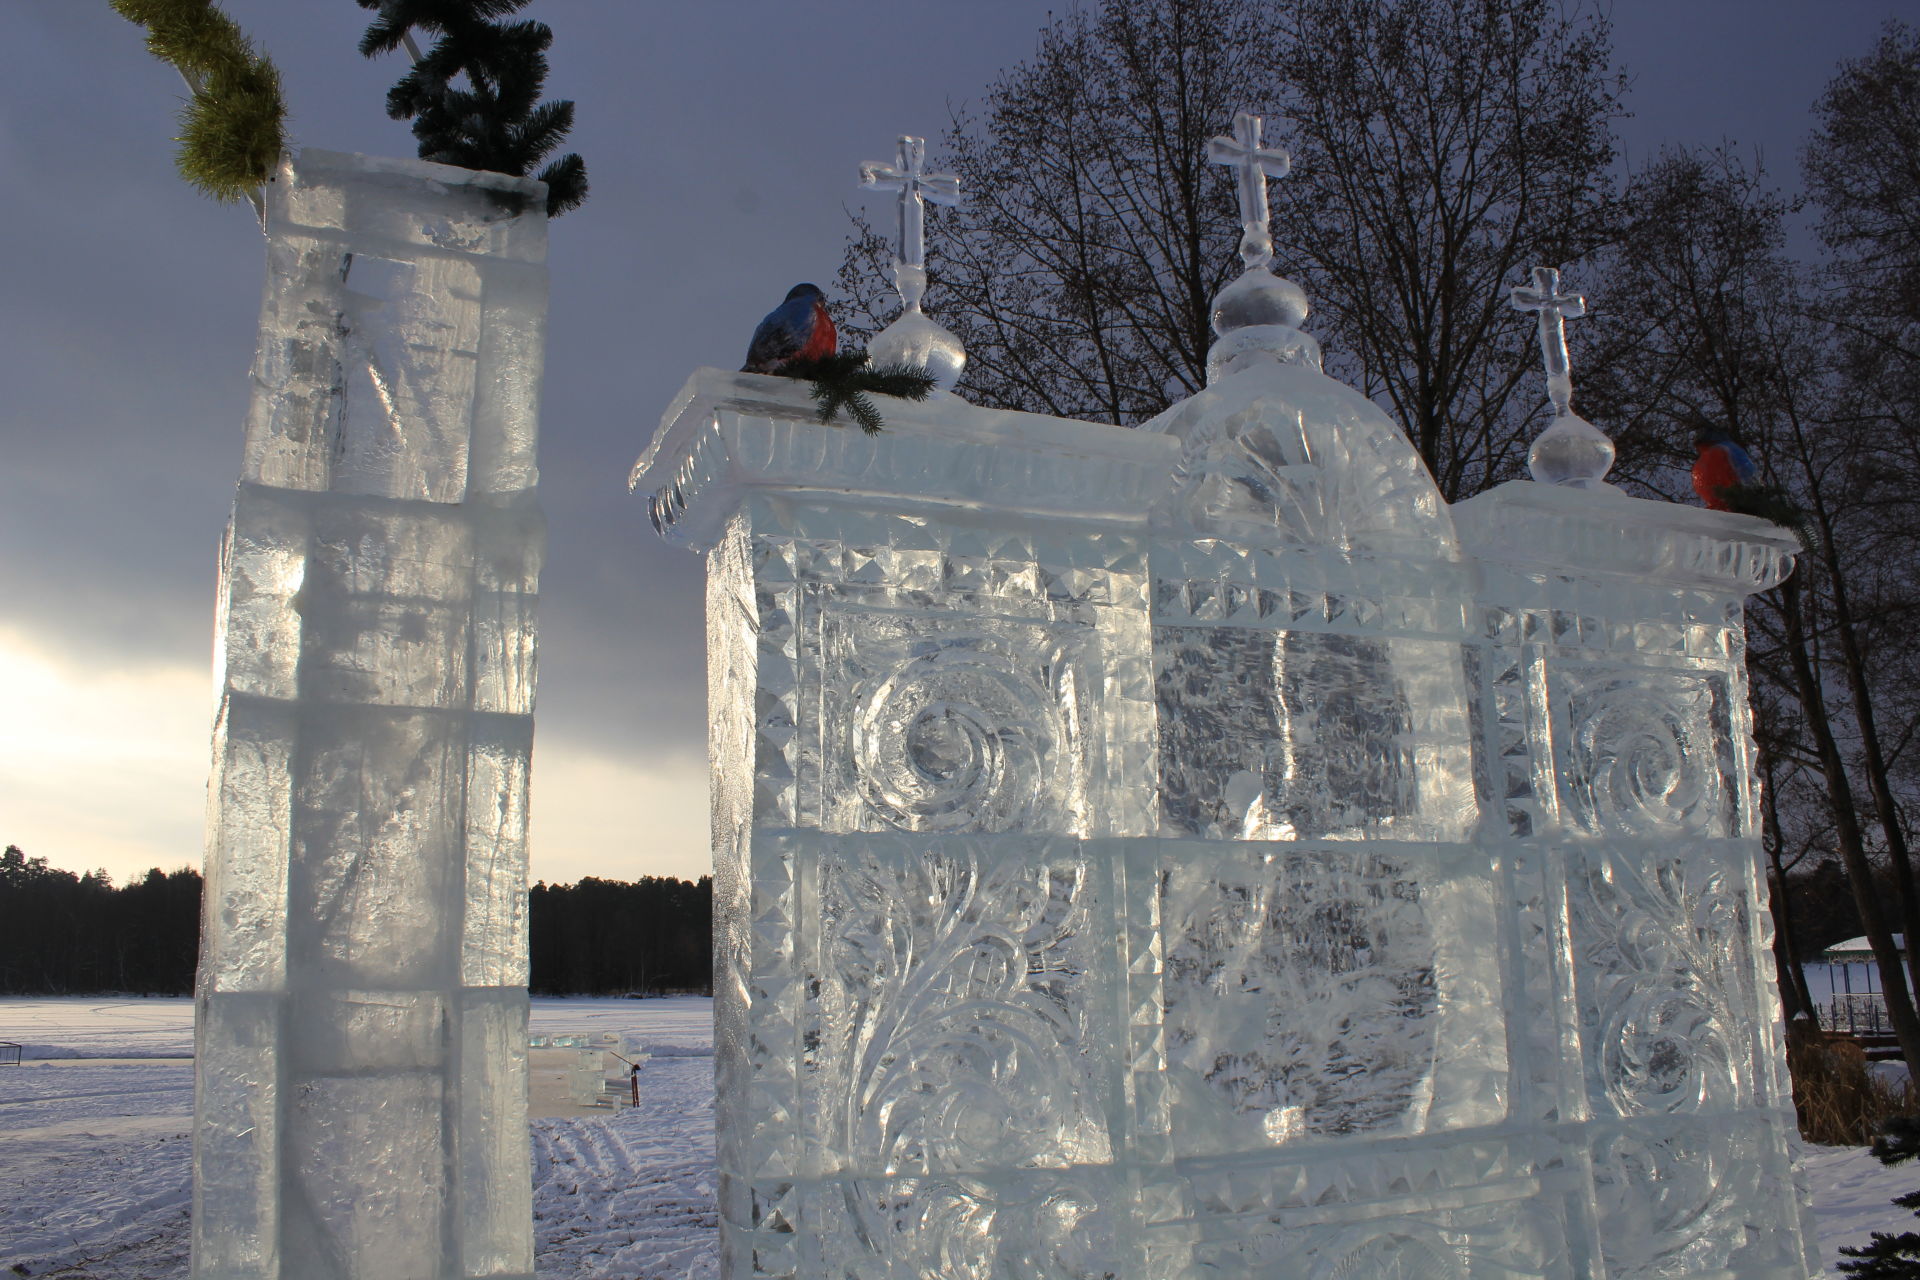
(722, 139)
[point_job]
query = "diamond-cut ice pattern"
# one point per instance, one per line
(950, 988)
(935, 727)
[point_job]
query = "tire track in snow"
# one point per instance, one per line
(631, 1196)
(71, 1208)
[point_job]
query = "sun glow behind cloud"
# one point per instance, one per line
(594, 815)
(101, 769)
(108, 769)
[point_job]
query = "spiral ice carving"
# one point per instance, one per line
(1641, 757)
(955, 740)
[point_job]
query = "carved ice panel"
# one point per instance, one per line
(934, 723)
(1327, 992)
(1645, 752)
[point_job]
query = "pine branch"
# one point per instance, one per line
(497, 121)
(1899, 1142)
(1770, 502)
(843, 382)
(234, 126)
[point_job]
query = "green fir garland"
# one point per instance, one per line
(1770, 502)
(233, 127)
(844, 381)
(1890, 1256)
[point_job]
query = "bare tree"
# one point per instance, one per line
(1709, 326)
(1081, 266)
(1441, 149)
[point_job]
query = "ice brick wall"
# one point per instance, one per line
(360, 1059)
(1185, 853)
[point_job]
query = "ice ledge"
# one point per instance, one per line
(408, 208)
(726, 433)
(1522, 522)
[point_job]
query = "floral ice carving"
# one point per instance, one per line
(1660, 963)
(1050, 1227)
(1397, 1256)
(964, 730)
(1676, 1198)
(1283, 454)
(953, 740)
(951, 1010)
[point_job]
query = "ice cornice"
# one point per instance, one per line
(1604, 531)
(727, 433)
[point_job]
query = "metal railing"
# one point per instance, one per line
(1860, 1014)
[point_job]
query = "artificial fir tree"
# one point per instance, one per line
(497, 121)
(1891, 1257)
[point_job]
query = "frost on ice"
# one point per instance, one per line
(361, 1029)
(1201, 851)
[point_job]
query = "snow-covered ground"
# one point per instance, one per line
(95, 1163)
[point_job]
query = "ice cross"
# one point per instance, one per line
(1256, 164)
(1555, 309)
(915, 186)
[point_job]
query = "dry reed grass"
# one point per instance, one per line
(1840, 1102)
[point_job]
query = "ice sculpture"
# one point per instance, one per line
(1199, 852)
(361, 1031)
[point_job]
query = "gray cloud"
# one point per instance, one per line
(722, 141)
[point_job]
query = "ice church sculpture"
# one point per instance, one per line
(1199, 851)
(360, 1058)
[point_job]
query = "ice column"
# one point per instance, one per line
(361, 1047)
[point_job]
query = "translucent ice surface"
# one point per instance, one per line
(1201, 852)
(361, 1054)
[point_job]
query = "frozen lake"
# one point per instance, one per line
(95, 1162)
(95, 1170)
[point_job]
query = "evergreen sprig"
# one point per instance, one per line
(1889, 1256)
(233, 128)
(497, 121)
(1770, 502)
(844, 381)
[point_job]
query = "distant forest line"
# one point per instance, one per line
(63, 933)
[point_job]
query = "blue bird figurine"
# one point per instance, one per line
(1722, 470)
(797, 329)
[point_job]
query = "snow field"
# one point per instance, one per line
(96, 1171)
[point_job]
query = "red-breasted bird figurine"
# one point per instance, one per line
(1722, 469)
(797, 329)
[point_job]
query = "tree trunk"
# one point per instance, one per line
(1846, 825)
(1853, 662)
(1795, 999)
